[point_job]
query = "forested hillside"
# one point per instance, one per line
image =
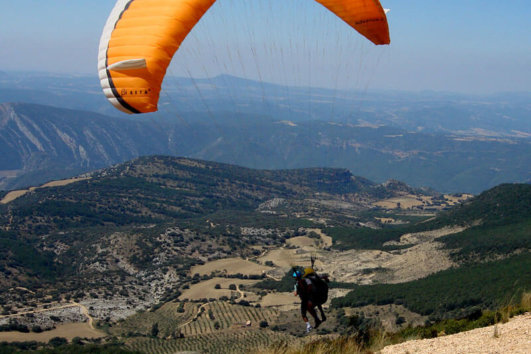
(493, 252)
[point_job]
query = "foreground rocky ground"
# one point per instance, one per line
(511, 337)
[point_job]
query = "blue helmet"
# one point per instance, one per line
(297, 274)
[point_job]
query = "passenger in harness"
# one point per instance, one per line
(313, 291)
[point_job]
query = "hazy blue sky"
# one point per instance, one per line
(454, 45)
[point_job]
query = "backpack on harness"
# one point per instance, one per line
(319, 294)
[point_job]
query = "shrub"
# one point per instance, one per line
(57, 341)
(36, 329)
(399, 320)
(155, 330)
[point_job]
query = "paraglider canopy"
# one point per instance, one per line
(141, 37)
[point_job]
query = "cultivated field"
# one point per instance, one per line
(232, 341)
(215, 327)
(281, 301)
(419, 202)
(68, 331)
(18, 193)
(229, 317)
(282, 257)
(404, 202)
(230, 266)
(302, 241)
(207, 289)
(168, 318)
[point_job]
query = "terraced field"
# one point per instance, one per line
(228, 317)
(232, 341)
(216, 327)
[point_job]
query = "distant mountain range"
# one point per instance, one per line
(41, 143)
(504, 114)
(450, 142)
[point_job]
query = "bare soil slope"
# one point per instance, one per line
(511, 337)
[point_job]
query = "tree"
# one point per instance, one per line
(57, 341)
(155, 330)
(264, 324)
(36, 329)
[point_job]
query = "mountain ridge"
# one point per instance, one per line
(43, 143)
(498, 115)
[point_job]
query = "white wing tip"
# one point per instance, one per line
(129, 64)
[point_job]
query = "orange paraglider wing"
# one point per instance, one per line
(365, 16)
(141, 37)
(137, 45)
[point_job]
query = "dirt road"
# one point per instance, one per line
(195, 316)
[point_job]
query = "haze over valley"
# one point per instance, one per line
(451, 143)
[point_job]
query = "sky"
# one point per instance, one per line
(469, 46)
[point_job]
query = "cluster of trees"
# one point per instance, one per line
(21, 253)
(476, 318)
(486, 242)
(284, 285)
